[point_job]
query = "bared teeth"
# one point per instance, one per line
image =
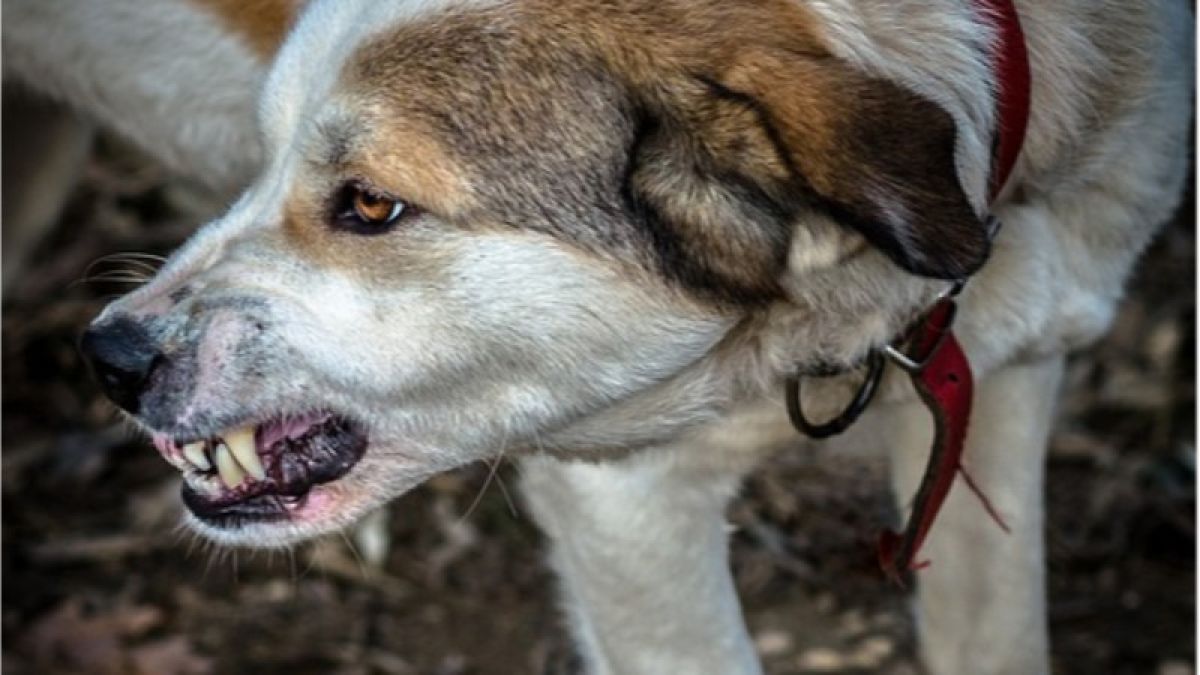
(227, 467)
(195, 454)
(241, 445)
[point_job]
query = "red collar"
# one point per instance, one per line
(940, 371)
(1010, 63)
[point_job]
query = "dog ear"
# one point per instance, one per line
(780, 131)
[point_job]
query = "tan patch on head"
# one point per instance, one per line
(261, 23)
(398, 158)
(414, 253)
(409, 161)
(688, 138)
(543, 100)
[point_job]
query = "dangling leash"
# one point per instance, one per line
(929, 351)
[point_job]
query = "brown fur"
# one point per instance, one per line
(261, 23)
(397, 157)
(686, 138)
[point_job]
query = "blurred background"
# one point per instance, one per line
(99, 579)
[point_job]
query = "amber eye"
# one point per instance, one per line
(366, 211)
(376, 209)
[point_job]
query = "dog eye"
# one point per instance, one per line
(366, 211)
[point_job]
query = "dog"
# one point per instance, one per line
(601, 238)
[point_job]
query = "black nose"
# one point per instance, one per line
(123, 356)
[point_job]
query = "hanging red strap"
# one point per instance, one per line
(942, 378)
(940, 371)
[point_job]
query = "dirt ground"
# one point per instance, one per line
(98, 578)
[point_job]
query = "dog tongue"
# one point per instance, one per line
(272, 432)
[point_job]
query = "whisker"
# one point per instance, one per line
(129, 265)
(362, 564)
(134, 254)
(137, 262)
(291, 554)
(310, 563)
(114, 276)
(210, 560)
(488, 481)
(130, 256)
(495, 466)
(121, 270)
(192, 542)
(512, 507)
(142, 264)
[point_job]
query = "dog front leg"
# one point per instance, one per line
(981, 603)
(640, 546)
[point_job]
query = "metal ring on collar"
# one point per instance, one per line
(848, 415)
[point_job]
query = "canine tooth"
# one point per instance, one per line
(241, 444)
(230, 471)
(195, 454)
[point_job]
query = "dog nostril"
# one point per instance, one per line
(122, 356)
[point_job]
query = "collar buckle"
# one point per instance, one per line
(913, 352)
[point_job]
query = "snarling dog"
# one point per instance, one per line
(600, 237)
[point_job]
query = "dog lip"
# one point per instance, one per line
(264, 507)
(186, 435)
(297, 453)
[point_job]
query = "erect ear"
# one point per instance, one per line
(797, 130)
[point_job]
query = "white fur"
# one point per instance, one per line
(640, 547)
(981, 604)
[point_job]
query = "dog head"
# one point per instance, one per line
(492, 226)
